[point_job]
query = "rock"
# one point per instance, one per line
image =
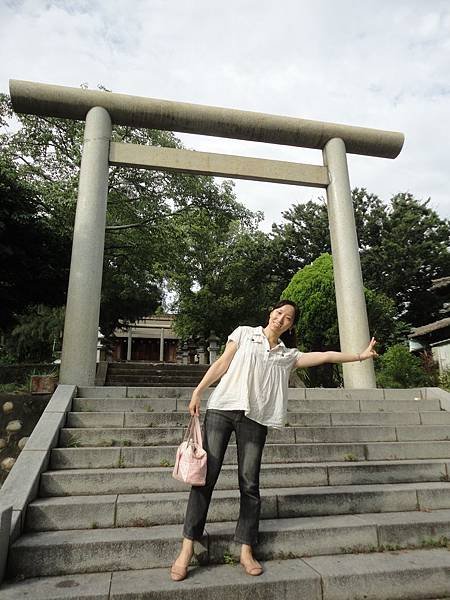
(2, 443)
(14, 426)
(8, 407)
(7, 463)
(21, 443)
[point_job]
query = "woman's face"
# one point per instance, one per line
(281, 319)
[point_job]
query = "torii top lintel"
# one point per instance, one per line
(74, 103)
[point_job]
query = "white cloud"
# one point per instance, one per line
(374, 63)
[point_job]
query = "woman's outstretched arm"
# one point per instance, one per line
(312, 359)
(215, 372)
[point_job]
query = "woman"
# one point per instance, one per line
(251, 396)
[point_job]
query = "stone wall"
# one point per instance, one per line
(19, 414)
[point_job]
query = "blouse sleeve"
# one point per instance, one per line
(236, 336)
(297, 355)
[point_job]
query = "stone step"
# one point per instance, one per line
(161, 436)
(312, 419)
(293, 393)
(84, 586)
(156, 404)
(435, 417)
(110, 549)
(406, 575)
(155, 380)
(172, 377)
(169, 436)
(172, 403)
(150, 509)
(181, 419)
(159, 479)
(157, 456)
(185, 371)
(133, 392)
(131, 367)
(188, 383)
(393, 395)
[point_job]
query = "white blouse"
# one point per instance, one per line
(257, 378)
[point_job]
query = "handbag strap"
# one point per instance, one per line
(198, 431)
(194, 431)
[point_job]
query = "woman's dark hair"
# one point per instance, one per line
(290, 339)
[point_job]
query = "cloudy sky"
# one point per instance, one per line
(374, 63)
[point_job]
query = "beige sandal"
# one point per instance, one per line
(178, 573)
(252, 570)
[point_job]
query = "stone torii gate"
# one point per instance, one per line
(101, 109)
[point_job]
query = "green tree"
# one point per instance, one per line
(413, 250)
(37, 335)
(398, 368)
(34, 256)
(302, 237)
(237, 285)
(312, 288)
(161, 228)
(403, 246)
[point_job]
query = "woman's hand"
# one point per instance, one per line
(194, 404)
(369, 352)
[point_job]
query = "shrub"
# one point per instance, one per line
(444, 380)
(398, 368)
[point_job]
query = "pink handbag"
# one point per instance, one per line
(190, 461)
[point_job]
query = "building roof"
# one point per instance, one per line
(424, 329)
(442, 282)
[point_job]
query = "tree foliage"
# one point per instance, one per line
(403, 246)
(161, 228)
(414, 249)
(236, 286)
(37, 335)
(312, 289)
(398, 368)
(34, 256)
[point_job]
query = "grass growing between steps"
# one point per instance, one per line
(441, 542)
(73, 442)
(115, 443)
(427, 543)
(288, 555)
(229, 559)
(350, 457)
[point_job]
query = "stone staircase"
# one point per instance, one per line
(355, 503)
(153, 374)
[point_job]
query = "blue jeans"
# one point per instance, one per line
(250, 440)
